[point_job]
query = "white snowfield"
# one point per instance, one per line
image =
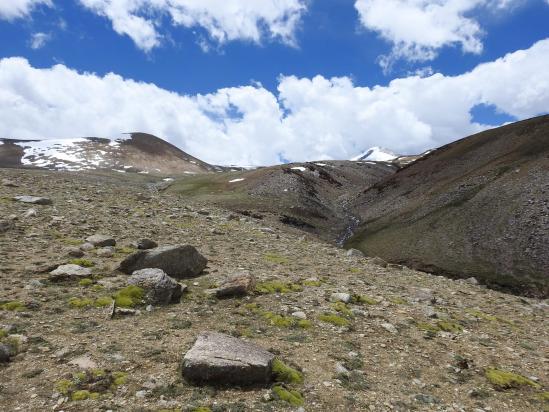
(376, 154)
(300, 168)
(236, 180)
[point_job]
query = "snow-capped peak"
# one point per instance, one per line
(376, 154)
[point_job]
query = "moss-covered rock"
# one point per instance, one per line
(285, 373)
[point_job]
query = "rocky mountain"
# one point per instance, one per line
(376, 154)
(117, 297)
(476, 207)
(134, 152)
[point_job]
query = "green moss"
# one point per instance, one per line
(71, 241)
(425, 326)
(481, 315)
(3, 333)
(333, 319)
(279, 320)
(293, 397)
(202, 409)
(124, 250)
(129, 297)
(342, 308)
(448, 326)
(502, 380)
(13, 306)
(544, 396)
(304, 323)
(355, 270)
(361, 299)
(80, 395)
(276, 286)
(86, 263)
(398, 301)
(94, 396)
(86, 282)
(64, 386)
(103, 301)
(80, 303)
(274, 258)
(120, 378)
(285, 373)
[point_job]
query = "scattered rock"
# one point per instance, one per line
(9, 183)
(35, 200)
(86, 246)
(160, 289)
(378, 261)
(237, 285)
(389, 327)
(340, 297)
(105, 252)
(83, 362)
(145, 244)
(75, 252)
(422, 295)
(6, 225)
(182, 261)
(217, 358)
(472, 281)
(299, 315)
(30, 213)
(354, 252)
(340, 369)
(101, 240)
(69, 272)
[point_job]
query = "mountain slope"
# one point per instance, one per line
(136, 152)
(477, 207)
(376, 154)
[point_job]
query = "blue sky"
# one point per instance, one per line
(329, 38)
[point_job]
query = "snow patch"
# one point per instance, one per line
(377, 154)
(300, 168)
(236, 180)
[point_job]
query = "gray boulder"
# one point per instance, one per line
(101, 240)
(237, 285)
(5, 353)
(379, 262)
(145, 244)
(217, 358)
(35, 200)
(160, 289)
(69, 272)
(9, 183)
(354, 252)
(180, 262)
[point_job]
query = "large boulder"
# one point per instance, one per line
(69, 272)
(160, 289)
(221, 359)
(5, 353)
(180, 262)
(35, 200)
(236, 285)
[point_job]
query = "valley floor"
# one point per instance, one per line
(407, 340)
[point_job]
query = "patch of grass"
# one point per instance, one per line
(3, 333)
(334, 319)
(80, 303)
(279, 320)
(85, 263)
(427, 327)
(202, 409)
(274, 258)
(71, 241)
(481, 315)
(103, 302)
(448, 326)
(80, 395)
(398, 301)
(353, 380)
(304, 323)
(64, 386)
(13, 306)
(361, 299)
(293, 397)
(355, 270)
(285, 373)
(124, 250)
(342, 308)
(120, 378)
(277, 286)
(502, 380)
(312, 283)
(129, 297)
(86, 282)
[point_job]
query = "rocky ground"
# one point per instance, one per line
(363, 335)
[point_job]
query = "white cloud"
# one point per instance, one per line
(417, 29)
(39, 40)
(307, 119)
(224, 21)
(14, 9)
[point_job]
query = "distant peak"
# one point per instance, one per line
(376, 154)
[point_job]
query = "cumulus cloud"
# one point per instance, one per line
(306, 119)
(418, 29)
(14, 9)
(39, 40)
(224, 20)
